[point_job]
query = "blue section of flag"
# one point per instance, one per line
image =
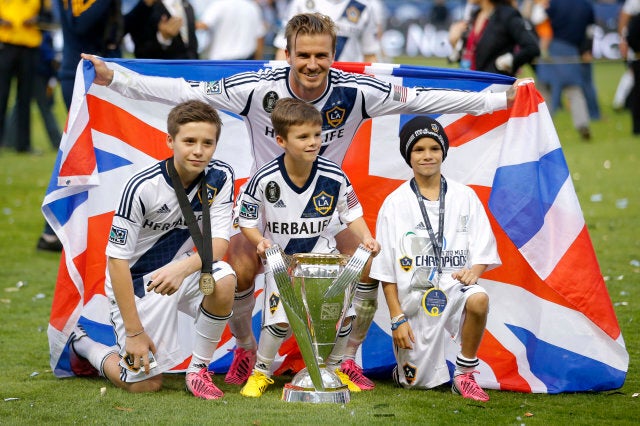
(63, 208)
(379, 360)
(562, 370)
(108, 161)
(522, 194)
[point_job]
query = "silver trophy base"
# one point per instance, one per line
(301, 389)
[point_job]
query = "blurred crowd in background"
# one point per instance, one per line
(41, 42)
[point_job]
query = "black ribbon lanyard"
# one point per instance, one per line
(202, 240)
(439, 241)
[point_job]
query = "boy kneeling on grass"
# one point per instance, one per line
(153, 271)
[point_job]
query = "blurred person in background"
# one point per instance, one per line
(439, 16)
(95, 27)
(495, 39)
(162, 29)
(632, 37)
(572, 23)
(236, 30)
(357, 28)
(20, 39)
(629, 86)
(44, 85)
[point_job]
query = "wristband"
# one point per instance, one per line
(395, 325)
(136, 334)
(397, 318)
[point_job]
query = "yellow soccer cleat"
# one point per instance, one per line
(347, 381)
(256, 385)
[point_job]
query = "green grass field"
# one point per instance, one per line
(605, 168)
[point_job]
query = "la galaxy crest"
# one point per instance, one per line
(269, 101)
(409, 371)
(353, 14)
(211, 194)
(323, 203)
(274, 300)
(335, 116)
(405, 263)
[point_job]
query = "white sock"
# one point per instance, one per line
(209, 329)
(465, 365)
(240, 322)
(365, 303)
(271, 338)
(94, 352)
(337, 353)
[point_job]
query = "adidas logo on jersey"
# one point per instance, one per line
(421, 226)
(280, 204)
(163, 209)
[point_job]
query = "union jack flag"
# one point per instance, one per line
(552, 327)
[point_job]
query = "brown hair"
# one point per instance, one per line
(310, 24)
(192, 112)
(293, 112)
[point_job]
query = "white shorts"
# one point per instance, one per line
(273, 312)
(425, 365)
(159, 317)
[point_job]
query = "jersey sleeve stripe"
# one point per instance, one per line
(131, 188)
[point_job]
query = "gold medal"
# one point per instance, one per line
(207, 283)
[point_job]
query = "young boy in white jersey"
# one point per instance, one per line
(153, 271)
(436, 242)
(282, 198)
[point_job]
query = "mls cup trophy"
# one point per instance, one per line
(316, 292)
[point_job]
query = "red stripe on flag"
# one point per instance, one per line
(65, 297)
(526, 102)
(371, 190)
(470, 127)
(355, 67)
(578, 278)
(515, 269)
(114, 121)
(98, 228)
(81, 160)
(503, 364)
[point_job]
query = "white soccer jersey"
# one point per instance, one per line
(401, 231)
(148, 226)
(406, 248)
(356, 27)
(348, 100)
(297, 218)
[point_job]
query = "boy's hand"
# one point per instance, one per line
(372, 245)
(138, 348)
(262, 247)
(465, 276)
(167, 280)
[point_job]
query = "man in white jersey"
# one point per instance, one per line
(294, 197)
(436, 242)
(153, 272)
(356, 28)
(345, 100)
